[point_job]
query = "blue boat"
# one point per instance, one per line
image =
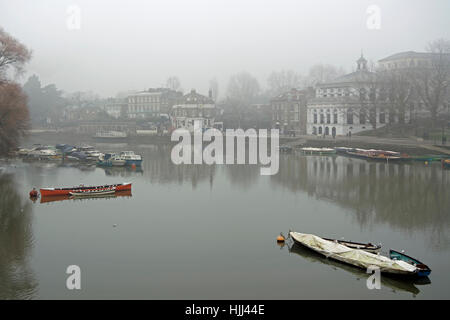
(423, 269)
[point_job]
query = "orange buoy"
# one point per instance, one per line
(280, 238)
(33, 193)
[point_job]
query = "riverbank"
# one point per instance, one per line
(404, 145)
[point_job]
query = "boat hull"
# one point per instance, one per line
(66, 191)
(423, 269)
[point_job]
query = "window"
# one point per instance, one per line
(335, 116)
(322, 118)
(315, 117)
(328, 117)
(350, 116)
(362, 116)
(382, 116)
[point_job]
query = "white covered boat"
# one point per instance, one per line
(355, 257)
(310, 150)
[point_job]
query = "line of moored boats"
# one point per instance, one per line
(80, 154)
(370, 154)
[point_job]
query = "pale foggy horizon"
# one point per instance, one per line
(134, 45)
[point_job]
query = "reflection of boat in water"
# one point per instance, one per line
(68, 197)
(392, 282)
(125, 171)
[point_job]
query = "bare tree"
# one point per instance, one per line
(14, 117)
(321, 73)
(282, 81)
(432, 81)
(173, 83)
(242, 91)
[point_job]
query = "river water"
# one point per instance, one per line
(208, 232)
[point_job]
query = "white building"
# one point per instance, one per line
(115, 107)
(195, 107)
(151, 103)
(342, 106)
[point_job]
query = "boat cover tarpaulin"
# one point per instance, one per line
(356, 257)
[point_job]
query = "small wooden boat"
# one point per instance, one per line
(48, 199)
(126, 186)
(446, 163)
(423, 269)
(357, 245)
(355, 257)
(92, 193)
(343, 150)
(285, 149)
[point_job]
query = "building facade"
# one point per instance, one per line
(194, 108)
(343, 106)
(116, 108)
(289, 111)
(152, 103)
(409, 60)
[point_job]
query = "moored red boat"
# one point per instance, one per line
(126, 186)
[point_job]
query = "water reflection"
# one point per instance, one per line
(123, 172)
(408, 196)
(396, 284)
(17, 280)
(159, 168)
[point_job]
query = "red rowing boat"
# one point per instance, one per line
(126, 186)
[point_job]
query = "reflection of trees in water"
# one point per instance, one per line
(243, 175)
(406, 196)
(159, 168)
(16, 240)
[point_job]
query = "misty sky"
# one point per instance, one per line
(134, 45)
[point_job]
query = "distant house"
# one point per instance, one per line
(193, 108)
(342, 106)
(289, 111)
(115, 108)
(152, 103)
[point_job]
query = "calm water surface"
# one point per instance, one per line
(208, 232)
